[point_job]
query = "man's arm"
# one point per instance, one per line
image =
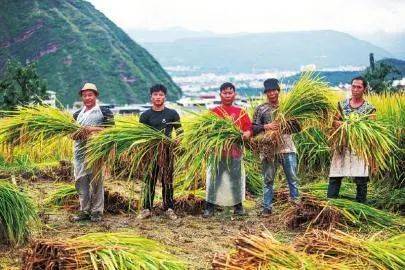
(257, 125)
(143, 118)
(108, 117)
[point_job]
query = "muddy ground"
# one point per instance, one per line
(190, 237)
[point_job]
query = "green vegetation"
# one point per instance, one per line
(17, 214)
(73, 43)
(21, 86)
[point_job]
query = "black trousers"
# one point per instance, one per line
(166, 175)
(361, 188)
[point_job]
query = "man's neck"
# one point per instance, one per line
(273, 103)
(88, 108)
(158, 108)
(226, 105)
(357, 100)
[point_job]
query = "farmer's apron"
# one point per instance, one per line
(92, 117)
(347, 164)
(226, 185)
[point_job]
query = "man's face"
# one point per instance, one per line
(357, 89)
(158, 98)
(227, 96)
(89, 98)
(272, 95)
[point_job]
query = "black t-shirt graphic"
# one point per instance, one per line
(167, 119)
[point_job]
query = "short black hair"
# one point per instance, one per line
(362, 79)
(227, 85)
(157, 88)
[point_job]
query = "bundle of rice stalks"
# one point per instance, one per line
(135, 144)
(109, 251)
(309, 99)
(358, 253)
(371, 140)
(308, 102)
(18, 214)
(315, 212)
(312, 212)
(206, 138)
(379, 197)
(114, 203)
(265, 252)
(36, 123)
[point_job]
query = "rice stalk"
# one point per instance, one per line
(314, 151)
(254, 177)
(337, 246)
(133, 143)
(265, 252)
(206, 139)
(391, 110)
(371, 140)
(312, 211)
(36, 123)
(18, 214)
(108, 251)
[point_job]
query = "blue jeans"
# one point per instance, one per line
(269, 169)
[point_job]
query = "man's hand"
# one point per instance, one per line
(274, 126)
(336, 124)
(177, 141)
(85, 132)
(91, 129)
(246, 135)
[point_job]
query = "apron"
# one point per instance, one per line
(347, 164)
(227, 186)
(92, 117)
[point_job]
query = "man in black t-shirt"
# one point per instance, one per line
(160, 118)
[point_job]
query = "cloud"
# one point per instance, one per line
(227, 16)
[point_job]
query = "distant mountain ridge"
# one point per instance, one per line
(266, 51)
(72, 43)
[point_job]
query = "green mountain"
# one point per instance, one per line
(73, 43)
(266, 51)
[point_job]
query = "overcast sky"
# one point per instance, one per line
(231, 16)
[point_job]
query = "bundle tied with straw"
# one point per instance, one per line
(337, 246)
(18, 214)
(265, 252)
(133, 143)
(308, 102)
(371, 140)
(206, 139)
(108, 251)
